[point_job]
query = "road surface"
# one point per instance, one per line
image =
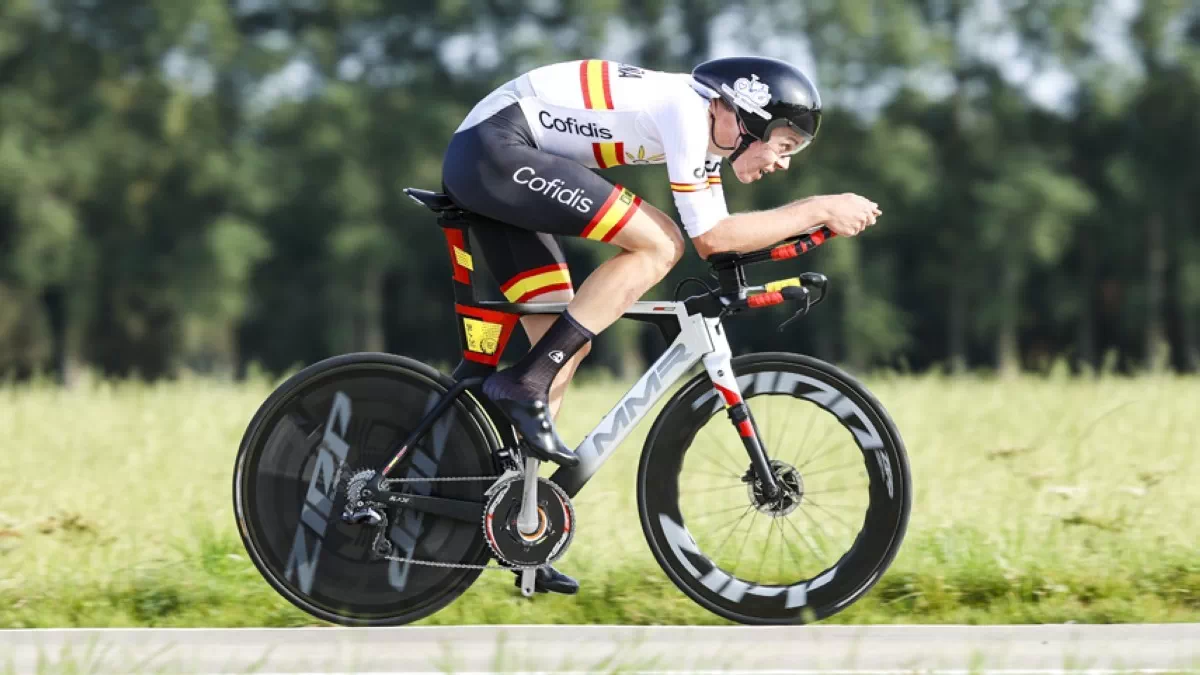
(844, 650)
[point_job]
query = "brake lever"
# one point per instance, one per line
(799, 313)
(808, 303)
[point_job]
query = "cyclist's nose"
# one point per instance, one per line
(783, 162)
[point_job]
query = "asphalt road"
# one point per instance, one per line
(477, 649)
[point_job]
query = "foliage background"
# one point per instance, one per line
(208, 184)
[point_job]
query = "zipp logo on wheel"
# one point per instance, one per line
(322, 488)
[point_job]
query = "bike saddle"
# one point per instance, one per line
(434, 201)
(533, 423)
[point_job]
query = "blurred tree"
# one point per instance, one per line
(208, 183)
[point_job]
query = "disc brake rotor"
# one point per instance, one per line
(791, 486)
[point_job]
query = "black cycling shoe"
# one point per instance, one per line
(532, 420)
(550, 580)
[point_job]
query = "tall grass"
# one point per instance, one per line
(1036, 500)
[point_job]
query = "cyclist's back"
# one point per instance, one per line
(598, 114)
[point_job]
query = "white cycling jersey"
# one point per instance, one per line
(604, 114)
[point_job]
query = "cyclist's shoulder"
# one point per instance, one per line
(634, 83)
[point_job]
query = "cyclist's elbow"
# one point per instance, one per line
(712, 241)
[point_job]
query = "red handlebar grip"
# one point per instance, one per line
(765, 299)
(817, 238)
(805, 244)
(784, 252)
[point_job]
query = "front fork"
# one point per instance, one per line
(719, 364)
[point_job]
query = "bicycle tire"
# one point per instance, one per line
(279, 518)
(810, 599)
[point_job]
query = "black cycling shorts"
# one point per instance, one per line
(496, 170)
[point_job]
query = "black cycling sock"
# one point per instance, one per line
(530, 378)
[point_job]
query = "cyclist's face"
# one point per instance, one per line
(763, 157)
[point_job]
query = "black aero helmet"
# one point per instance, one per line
(765, 94)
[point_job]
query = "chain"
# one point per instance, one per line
(389, 481)
(461, 566)
(432, 563)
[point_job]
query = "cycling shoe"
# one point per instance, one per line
(533, 423)
(550, 580)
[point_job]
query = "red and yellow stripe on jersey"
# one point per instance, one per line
(714, 180)
(536, 281)
(593, 78)
(612, 216)
(608, 154)
(689, 187)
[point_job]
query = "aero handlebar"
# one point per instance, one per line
(789, 249)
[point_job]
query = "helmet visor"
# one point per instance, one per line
(787, 140)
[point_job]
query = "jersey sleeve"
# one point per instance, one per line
(712, 169)
(683, 126)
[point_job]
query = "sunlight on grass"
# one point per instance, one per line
(1036, 500)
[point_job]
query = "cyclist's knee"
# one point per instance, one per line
(669, 245)
(652, 233)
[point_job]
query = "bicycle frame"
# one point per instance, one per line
(484, 330)
(699, 339)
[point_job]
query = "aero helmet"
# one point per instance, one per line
(765, 94)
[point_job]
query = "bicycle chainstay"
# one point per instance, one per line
(379, 542)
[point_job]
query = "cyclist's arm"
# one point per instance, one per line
(846, 214)
(753, 230)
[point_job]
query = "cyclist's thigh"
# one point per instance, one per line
(495, 169)
(649, 229)
(536, 191)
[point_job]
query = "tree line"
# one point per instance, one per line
(216, 183)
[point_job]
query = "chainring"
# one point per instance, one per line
(556, 523)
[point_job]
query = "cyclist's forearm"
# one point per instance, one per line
(753, 230)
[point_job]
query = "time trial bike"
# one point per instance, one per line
(371, 489)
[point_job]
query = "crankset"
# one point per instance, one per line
(515, 548)
(539, 545)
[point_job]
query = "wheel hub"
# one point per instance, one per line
(791, 490)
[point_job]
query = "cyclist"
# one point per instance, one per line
(523, 156)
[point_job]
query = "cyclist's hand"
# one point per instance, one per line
(848, 214)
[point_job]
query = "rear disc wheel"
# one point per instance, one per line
(327, 423)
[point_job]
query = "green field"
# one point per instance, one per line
(1036, 500)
